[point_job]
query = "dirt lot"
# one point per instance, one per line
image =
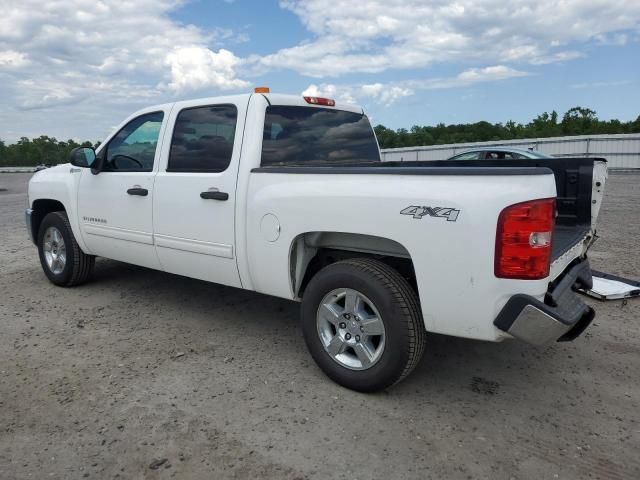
(101, 380)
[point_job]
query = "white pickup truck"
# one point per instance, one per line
(287, 196)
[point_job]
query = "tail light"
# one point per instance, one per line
(523, 240)
(320, 101)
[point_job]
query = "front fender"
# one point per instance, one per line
(60, 183)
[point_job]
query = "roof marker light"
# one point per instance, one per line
(320, 101)
(261, 90)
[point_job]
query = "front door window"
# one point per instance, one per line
(133, 149)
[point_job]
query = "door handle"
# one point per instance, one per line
(143, 192)
(209, 195)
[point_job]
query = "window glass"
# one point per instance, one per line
(203, 139)
(502, 155)
(467, 156)
(134, 147)
(316, 136)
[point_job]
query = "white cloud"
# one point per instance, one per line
(119, 54)
(313, 90)
(13, 59)
(328, 90)
(194, 68)
(385, 94)
(563, 56)
(615, 39)
(378, 35)
(389, 93)
(486, 74)
(604, 84)
(51, 97)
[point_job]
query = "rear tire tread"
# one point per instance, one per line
(399, 306)
(405, 296)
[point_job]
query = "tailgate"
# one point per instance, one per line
(580, 189)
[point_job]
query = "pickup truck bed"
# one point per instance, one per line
(575, 187)
(574, 177)
(565, 237)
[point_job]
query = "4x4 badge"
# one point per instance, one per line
(451, 214)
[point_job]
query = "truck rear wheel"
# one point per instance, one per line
(362, 324)
(62, 260)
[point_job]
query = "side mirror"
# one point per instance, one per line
(82, 157)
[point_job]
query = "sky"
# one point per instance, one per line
(77, 68)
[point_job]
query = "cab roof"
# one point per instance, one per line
(272, 99)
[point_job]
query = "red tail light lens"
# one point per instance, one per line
(523, 240)
(320, 101)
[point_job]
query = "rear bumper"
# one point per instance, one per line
(563, 316)
(28, 214)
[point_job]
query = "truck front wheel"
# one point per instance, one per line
(62, 260)
(362, 324)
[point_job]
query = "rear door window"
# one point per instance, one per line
(467, 156)
(316, 136)
(203, 139)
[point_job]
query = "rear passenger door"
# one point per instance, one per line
(194, 200)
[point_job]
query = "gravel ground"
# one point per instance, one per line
(142, 374)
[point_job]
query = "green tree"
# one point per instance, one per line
(576, 121)
(579, 121)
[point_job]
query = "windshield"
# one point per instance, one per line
(316, 136)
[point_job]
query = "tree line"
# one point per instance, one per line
(42, 150)
(576, 121)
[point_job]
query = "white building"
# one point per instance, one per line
(621, 151)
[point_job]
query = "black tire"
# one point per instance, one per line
(78, 265)
(397, 304)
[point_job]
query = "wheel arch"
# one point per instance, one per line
(392, 301)
(41, 207)
(311, 251)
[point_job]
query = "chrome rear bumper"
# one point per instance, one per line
(563, 316)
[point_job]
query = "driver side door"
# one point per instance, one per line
(115, 206)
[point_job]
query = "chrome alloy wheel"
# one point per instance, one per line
(55, 251)
(350, 329)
